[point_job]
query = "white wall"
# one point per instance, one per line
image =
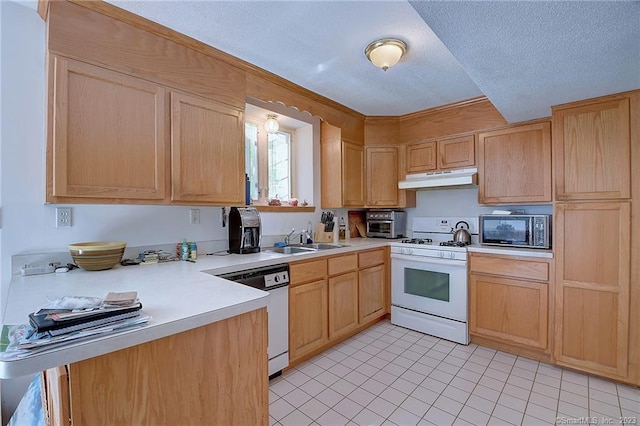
(22, 149)
(460, 202)
(27, 223)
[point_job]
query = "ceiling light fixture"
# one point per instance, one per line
(386, 52)
(271, 125)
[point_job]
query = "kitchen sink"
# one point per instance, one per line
(290, 250)
(303, 248)
(323, 246)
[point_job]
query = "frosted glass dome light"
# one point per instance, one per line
(271, 125)
(386, 52)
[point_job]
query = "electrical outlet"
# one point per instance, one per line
(63, 217)
(195, 216)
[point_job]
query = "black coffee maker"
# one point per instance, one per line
(244, 230)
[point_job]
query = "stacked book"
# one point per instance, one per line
(65, 321)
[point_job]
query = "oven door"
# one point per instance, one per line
(433, 286)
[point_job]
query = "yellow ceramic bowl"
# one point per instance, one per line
(97, 255)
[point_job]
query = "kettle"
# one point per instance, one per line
(461, 235)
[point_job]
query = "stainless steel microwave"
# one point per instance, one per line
(521, 230)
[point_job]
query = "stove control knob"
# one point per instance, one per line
(452, 255)
(441, 253)
(407, 251)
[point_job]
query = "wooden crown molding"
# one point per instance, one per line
(451, 106)
(124, 16)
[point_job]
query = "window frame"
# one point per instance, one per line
(262, 151)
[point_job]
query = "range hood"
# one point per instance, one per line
(441, 179)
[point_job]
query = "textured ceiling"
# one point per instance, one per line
(524, 56)
(527, 56)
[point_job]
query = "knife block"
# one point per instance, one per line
(321, 236)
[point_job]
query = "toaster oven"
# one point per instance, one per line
(386, 223)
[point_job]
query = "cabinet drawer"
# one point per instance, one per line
(528, 269)
(307, 271)
(371, 258)
(339, 265)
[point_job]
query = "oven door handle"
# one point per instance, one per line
(432, 260)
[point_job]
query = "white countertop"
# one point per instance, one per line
(178, 296)
(511, 251)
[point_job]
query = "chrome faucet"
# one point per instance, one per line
(286, 239)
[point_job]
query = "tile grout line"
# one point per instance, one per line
(401, 341)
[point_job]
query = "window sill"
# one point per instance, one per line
(285, 209)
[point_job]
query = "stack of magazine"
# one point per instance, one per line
(70, 318)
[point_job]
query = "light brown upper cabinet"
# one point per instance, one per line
(421, 157)
(451, 153)
(455, 153)
(106, 135)
(514, 165)
(207, 151)
(342, 169)
(108, 141)
(592, 149)
(385, 164)
(382, 176)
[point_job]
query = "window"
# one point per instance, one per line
(268, 163)
(279, 153)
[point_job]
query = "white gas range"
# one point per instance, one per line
(429, 278)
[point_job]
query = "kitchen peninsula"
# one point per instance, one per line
(202, 356)
(205, 334)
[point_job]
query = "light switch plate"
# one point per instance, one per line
(194, 216)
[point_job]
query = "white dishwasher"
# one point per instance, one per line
(274, 280)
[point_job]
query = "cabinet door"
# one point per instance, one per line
(592, 245)
(343, 304)
(352, 174)
(457, 152)
(371, 293)
(331, 165)
(107, 136)
(382, 176)
(515, 165)
(515, 311)
(421, 157)
(592, 149)
(55, 392)
(207, 151)
(308, 318)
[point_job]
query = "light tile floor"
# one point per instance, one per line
(393, 376)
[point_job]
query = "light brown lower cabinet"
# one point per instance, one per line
(214, 374)
(343, 304)
(509, 302)
(308, 317)
(371, 301)
(334, 297)
(343, 294)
